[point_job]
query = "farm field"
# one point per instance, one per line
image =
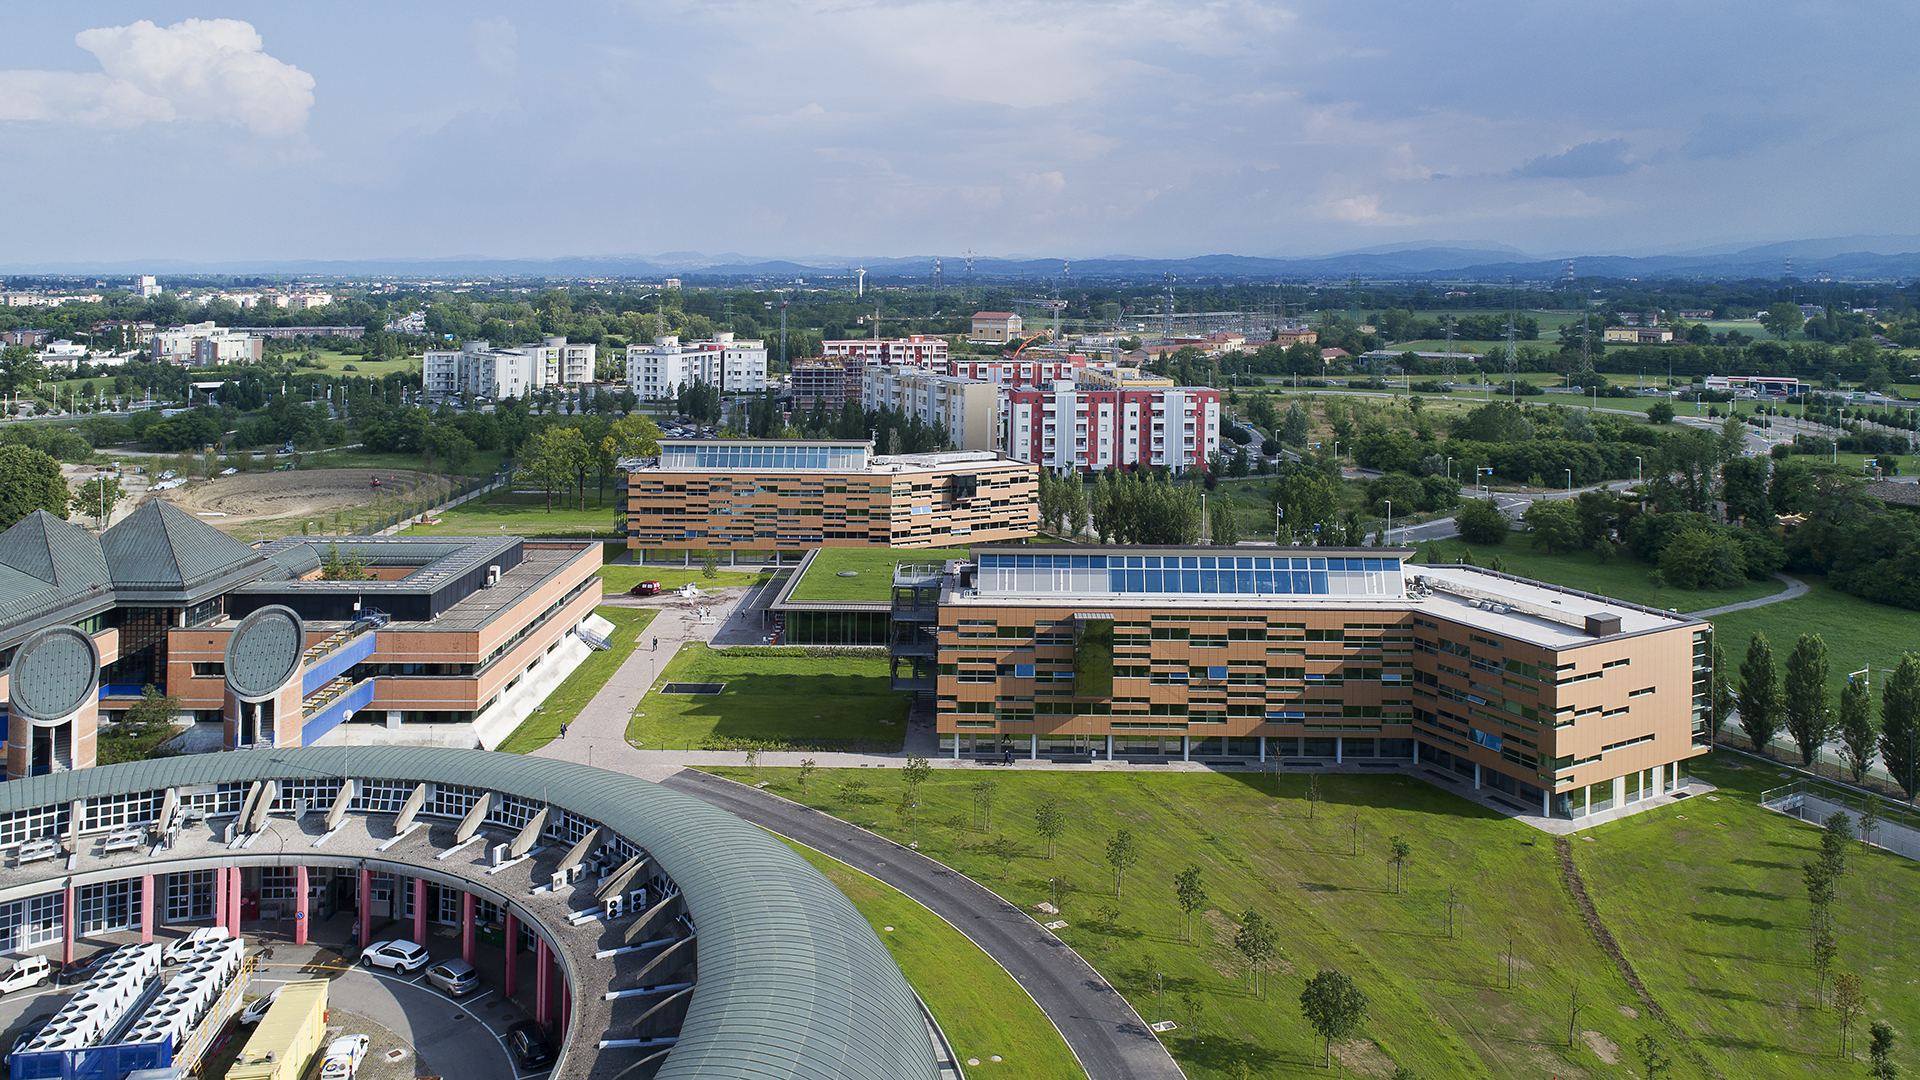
(1703, 896)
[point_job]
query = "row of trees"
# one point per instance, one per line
(1795, 700)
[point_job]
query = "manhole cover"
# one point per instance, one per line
(692, 688)
(397, 1054)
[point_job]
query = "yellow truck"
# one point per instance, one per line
(288, 1036)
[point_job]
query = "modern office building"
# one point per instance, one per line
(760, 496)
(1091, 427)
(1564, 703)
(479, 369)
(659, 370)
(967, 409)
(450, 640)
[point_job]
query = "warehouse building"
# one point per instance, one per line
(1554, 701)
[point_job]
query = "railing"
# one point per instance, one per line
(326, 696)
(1897, 828)
(335, 641)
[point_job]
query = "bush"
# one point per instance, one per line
(1703, 559)
(1481, 522)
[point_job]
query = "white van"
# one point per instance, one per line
(27, 971)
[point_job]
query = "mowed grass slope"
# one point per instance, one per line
(578, 688)
(1711, 915)
(981, 1009)
(1439, 1005)
(787, 698)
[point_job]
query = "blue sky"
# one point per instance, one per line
(896, 127)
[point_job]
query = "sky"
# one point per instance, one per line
(842, 128)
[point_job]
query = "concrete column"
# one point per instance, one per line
(67, 918)
(513, 956)
(1619, 792)
(956, 746)
(300, 905)
(146, 909)
(1340, 744)
(366, 907)
(233, 901)
(220, 896)
(420, 911)
(542, 979)
(1033, 747)
(466, 927)
(1476, 776)
(1546, 803)
(1186, 748)
(1109, 748)
(1263, 749)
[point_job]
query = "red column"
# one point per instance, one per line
(566, 1005)
(420, 911)
(466, 927)
(299, 905)
(555, 984)
(233, 900)
(513, 955)
(146, 909)
(67, 915)
(366, 908)
(542, 1007)
(220, 896)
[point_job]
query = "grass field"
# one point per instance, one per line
(874, 565)
(772, 700)
(525, 513)
(982, 1010)
(577, 689)
(1858, 633)
(1622, 577)
(1711, 916)
(335, 363)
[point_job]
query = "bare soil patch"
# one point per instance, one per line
(1604, 1048)
(251, 497)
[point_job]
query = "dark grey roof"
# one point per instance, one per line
(49, 566)
(793, 981)
(296, 560)
(162, 553)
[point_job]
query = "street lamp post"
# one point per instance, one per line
(1389, 537)
(1336, 451)
(1569, 473)
(1449, 468)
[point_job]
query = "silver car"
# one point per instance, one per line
(456, 977)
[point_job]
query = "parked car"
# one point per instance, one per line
(344, 1056)
(645, 588)
(456, 977)
(257, 1008)
(401, 956)
(529, 1045)
(27, 971)
(178, 949)
(27, 1035)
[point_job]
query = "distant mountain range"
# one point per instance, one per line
(1846, 257)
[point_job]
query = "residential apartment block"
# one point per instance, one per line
(1563, 702)
(1024, 370)
(660, 369)
(917, 350)
(1070, 426)
(751, 495)
(479, 369)
(203, 344)
(968, 409)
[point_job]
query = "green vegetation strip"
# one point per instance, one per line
(526, 513)
(573, 693)
(982, 1010)
(1858, 633)
(1704, 898)
(874, 567)
(773, 699)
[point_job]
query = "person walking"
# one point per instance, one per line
(563, 730)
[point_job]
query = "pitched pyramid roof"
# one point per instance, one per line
(50, 565)
(164, 554)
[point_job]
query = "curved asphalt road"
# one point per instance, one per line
(1110, 1039)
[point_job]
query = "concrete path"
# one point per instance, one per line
(1795, 590)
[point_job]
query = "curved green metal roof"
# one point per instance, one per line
(793, 982)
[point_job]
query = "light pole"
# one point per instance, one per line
(1449, 468)
(1336, 451)
(1569, 473)
(1477, 483)
(1389, 537)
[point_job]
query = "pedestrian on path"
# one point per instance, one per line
(563, 730)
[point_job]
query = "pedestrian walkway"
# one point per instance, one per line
(1795, 590)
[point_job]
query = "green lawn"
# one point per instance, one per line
(335, 363)
(875, 569)
(982, 1010)
(577, 689)
(621, 578)
(840, 702)
(525, 513)
(1622, 577)
(1858, 633)
(1711, 918)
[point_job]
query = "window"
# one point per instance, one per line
(209, 670)
(1642, 692)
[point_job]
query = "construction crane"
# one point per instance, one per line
(1053, 306)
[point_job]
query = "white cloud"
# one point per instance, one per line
(199, 69)
(491, 42)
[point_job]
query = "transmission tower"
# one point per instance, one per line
(1586, 346)
(1452, 370)
(1168, 332)
(939, 279)
(968, 254)
(1513, 364)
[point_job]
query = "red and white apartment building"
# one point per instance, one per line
(1027, 370)
(1070, 426)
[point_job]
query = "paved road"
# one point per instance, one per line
(1110, 1039)
(1794, 590)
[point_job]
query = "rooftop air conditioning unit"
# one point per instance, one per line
(493, 576)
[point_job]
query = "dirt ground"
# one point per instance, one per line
(252, 497)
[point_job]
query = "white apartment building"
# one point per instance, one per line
(736, 366)
(968, 408)
(201, 344)
(917, 350)
(479, 369)
(149, 288)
